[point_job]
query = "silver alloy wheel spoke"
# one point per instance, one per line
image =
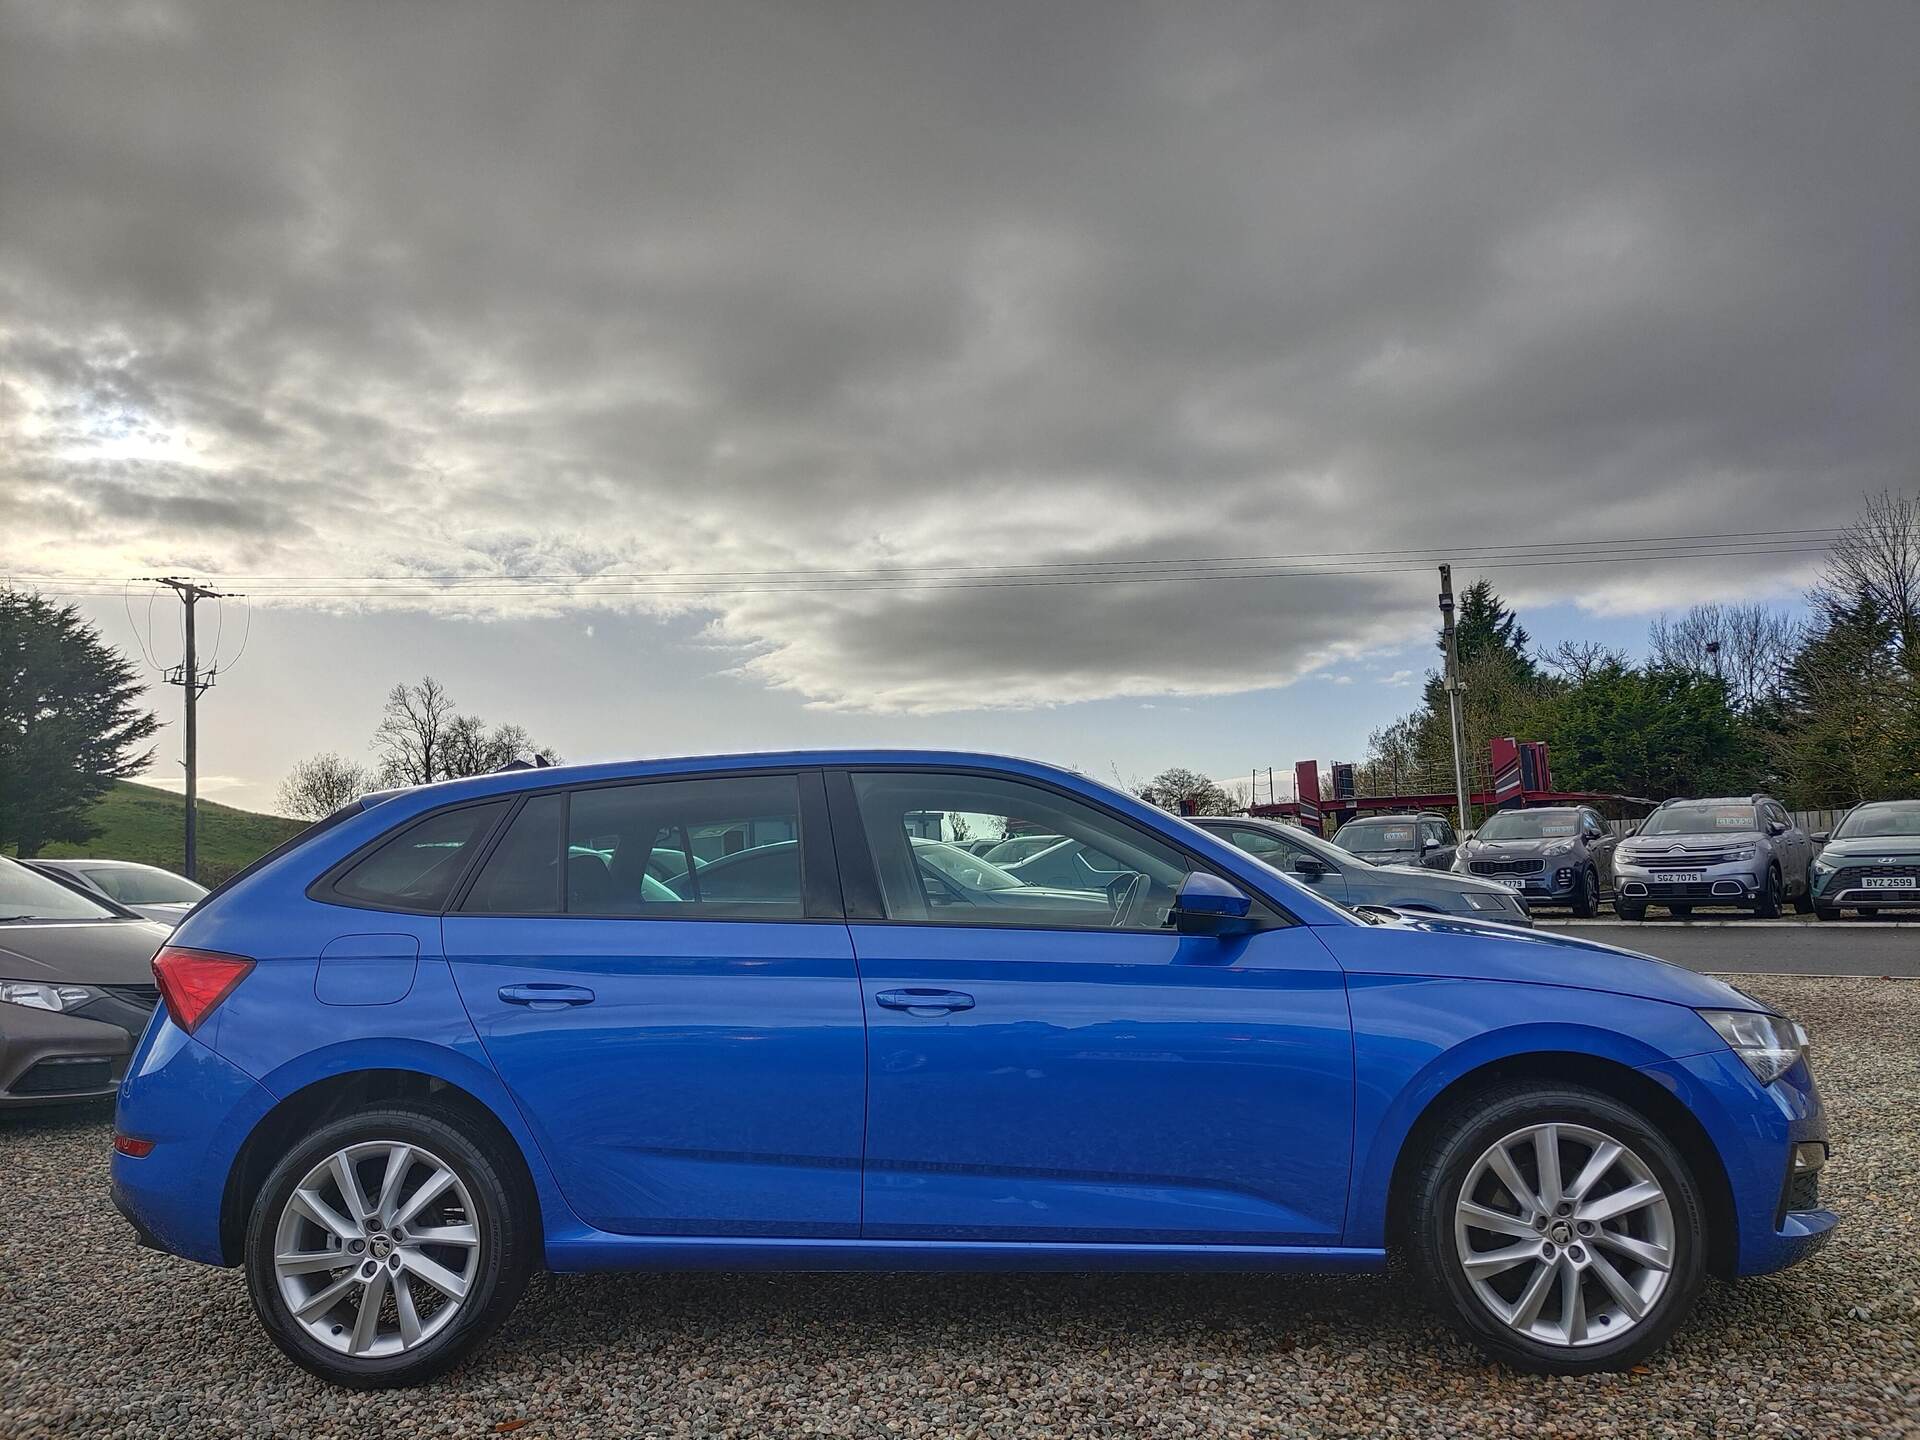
(1576, 1261)
(377, 1284)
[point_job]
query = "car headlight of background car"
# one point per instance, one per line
(1769, 1044)
(1822, 865)
(1478, 900)
(1559, 847)
(37, 995)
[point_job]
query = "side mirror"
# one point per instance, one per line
(1774, 827)
(1821, 837)
(1309, 866)
(1630, 831)
(1207, 905)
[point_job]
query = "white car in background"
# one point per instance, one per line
(147, 890)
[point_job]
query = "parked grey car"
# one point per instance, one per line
(1346, 877)
(147, 890)
(76, 989)
(1743, 851)
(1557, 855)
(1424, 839)
(1870, 862)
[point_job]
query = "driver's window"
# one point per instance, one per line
(1076, 867)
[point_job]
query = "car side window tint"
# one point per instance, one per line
(418, 868)
(1095, 872)
(687, 849)
(1276, 851)
(522, 876)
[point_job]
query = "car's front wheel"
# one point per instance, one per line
(1767, 906)
(386, 1246)
(1558, 1229)
(1586, 900)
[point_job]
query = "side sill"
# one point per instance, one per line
(583, 1250)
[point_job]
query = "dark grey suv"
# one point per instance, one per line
(1561, 855)
(1425, 839)
(1341, 876)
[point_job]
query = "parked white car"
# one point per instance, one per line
(147, 890)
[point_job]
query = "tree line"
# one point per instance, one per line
(1822, 710)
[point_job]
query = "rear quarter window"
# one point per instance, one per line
(418, 867)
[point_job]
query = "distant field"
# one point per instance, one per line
(138, 822)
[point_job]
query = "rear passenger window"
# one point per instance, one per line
(522, 876)
(418, 868)
(687, 849)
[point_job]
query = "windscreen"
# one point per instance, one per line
(28, 895)
(1378, 835)
(1901, 819)
(1530, 825)
(1707, 818)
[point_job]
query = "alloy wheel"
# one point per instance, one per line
(1564, 1234)
(376, 1249)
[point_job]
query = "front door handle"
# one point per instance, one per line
(546, 997)
(924, 1003)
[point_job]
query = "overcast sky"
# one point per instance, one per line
(427, 289)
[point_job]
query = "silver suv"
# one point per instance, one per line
(1745, 852)
(1559, 855)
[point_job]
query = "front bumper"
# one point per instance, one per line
(1852, 885)
(1739, 882)
(1757, 1129)
(50, 1057)
(1556, 881)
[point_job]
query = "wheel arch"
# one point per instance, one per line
(1612, 1078)
(301, 1111)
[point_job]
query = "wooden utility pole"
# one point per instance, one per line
(1456, 687)
(193, 683)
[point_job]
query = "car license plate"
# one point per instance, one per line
(1512, 882)
(1675, 877)
(1891, 882)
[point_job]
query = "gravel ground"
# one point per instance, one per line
(97, 1338)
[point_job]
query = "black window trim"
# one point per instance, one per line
(819, 873)
(860, 876)
(322, 888)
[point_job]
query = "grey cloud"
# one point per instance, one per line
(731, 286)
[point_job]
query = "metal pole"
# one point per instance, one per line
(1455, 687)
(191, 686)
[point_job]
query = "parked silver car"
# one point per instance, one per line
(1743, 851)
(1557, 855)
(1870, 862)
(1346, 877)
(147, 890)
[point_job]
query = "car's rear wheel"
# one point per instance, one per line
(1679, 912)
(386, 1246)
(1558, 1229)
(1630, 909)
(1826, 912)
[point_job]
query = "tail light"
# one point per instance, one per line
(193, 982)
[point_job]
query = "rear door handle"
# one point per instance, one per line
(924, 1003)
(537, 996)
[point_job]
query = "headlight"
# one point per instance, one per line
(1769, 1044)
(1824, 865)
(1559, 847)
(1745, 852)
(1478, 901)
(36, 996)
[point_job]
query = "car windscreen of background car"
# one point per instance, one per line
(1377, 835)
(1880, 820)
(1700, 820)
(28, 895)
(1528, 825)
(141, 886)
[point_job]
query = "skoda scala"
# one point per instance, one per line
(747, 1013)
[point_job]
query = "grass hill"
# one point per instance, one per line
(139, 822)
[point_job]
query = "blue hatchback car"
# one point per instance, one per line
(733, 1013)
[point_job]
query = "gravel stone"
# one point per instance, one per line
(98, 1338)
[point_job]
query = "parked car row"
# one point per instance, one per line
(1741, 851)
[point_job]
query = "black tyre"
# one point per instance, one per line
(387, 1245)
(1680, 912)
(1869, 910)
(1803, 902)
(1826, 912)
(1584, 1261)
(1586, 900)
(1630, 909)
(1767, 907)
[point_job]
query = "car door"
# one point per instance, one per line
(1796, 848)
(1601, 843)
(691, 1059)
(1436, 845)
(1283, 855)
(1047, 1077)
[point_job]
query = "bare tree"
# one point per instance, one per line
(1580, 660)
(1875, 565)
(412, 735)
(316, 788)
(470, 748)
(1747, 647)
(1186, 792)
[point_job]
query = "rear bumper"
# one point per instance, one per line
(1756, 1128)
(197, 1109)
